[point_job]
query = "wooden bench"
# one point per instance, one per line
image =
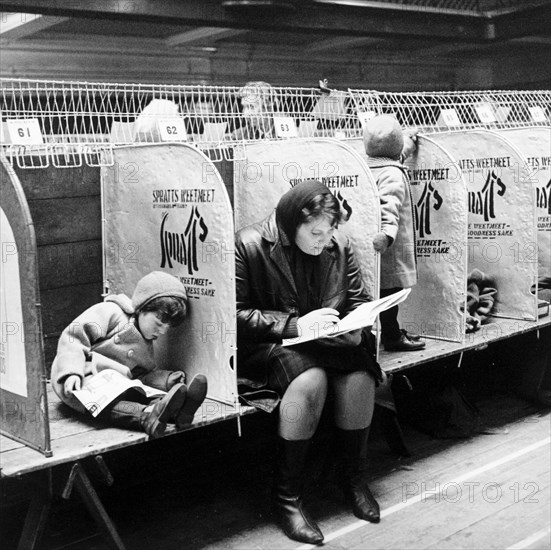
(75, 438)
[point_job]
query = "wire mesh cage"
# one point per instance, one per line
(443, 111)
(282, 112)
(68, 123)
(72, 122)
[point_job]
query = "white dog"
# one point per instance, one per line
(145, 127)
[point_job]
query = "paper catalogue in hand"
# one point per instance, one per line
(362, 316)
(103, 388)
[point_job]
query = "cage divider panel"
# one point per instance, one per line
(23, 398)
(171, 212)
(535, 144)
(436, 305)
(439, 200)
(271, 168)
(502, 217)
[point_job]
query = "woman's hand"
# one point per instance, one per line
(347, 340)
(72, 383)
(316, 321)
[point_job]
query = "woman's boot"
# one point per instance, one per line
(286, 497)
(353, 446)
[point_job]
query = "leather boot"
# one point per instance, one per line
(196, 393)
(353, 446)
(287, 503)
(124, 414)
(404, 343)
(153, 422)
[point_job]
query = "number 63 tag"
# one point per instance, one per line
(172, 129)
(285, 127)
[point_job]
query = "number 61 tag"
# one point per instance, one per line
(172, 129)
(25, 131)
(285, 127)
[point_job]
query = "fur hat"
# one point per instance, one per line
(155, 285)
(383, 137)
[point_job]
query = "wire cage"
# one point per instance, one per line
(443, 111)
(74, 122)
(269, 112)
(68, 123)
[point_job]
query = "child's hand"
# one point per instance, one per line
(381, 242)
(176, 377)
(72, 383)
(410, 143)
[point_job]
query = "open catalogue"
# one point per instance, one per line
(105, 386)
(362, 316)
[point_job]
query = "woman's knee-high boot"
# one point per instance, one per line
(353, 446)
(286, 496)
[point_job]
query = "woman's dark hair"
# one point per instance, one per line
(169, 309)
(323, 205)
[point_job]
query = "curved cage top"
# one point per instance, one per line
(74, 122)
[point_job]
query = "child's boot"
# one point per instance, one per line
(196, 393)
(153, 419)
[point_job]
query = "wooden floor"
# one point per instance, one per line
(488, 491)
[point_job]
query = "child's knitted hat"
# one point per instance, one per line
(383, 137)
(155, 285)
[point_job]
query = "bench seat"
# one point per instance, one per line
(74, 437)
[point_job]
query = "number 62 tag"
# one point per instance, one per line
(172, 129)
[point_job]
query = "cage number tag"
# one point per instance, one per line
(285, 127)
(485, 113)
(172, 129)
(450, 118)
(537, 114)
(24, 131)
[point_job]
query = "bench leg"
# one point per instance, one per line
(35, 521)
(95, 507)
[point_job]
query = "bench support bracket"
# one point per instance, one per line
(41, 503)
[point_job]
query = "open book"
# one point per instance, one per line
(105, 386)
(362, 316)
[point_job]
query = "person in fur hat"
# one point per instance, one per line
(386, 145)
(118, 334)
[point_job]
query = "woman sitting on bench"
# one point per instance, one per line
(118, 334)
(295, 271)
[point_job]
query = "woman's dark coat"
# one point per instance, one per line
(267, 295)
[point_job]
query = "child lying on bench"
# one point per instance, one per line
(118, 334)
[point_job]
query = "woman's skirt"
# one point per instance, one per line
(266, 372)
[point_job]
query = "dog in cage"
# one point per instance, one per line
(146, 127)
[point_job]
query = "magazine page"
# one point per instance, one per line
(363, 316)
(105, 386)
